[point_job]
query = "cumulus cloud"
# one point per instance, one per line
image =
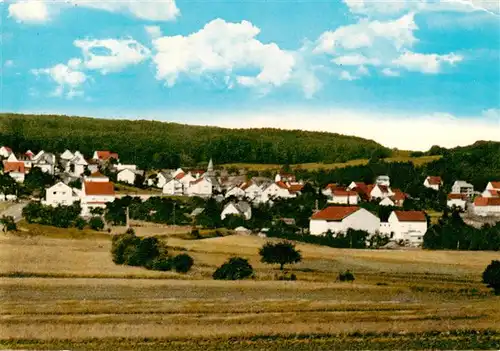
(39, 11)
(67, 78)
(390, 72)
(409, 132)
(31, 11)
(425, 63)
(225, 48)
(111, 55)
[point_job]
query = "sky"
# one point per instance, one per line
(406, 73)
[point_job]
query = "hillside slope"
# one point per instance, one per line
(158, 144)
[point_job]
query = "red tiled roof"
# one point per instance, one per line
(180, 175)
(295, 188)
(335, 213)
(398, 196)
(487, 201)
(494, 192)
(14, 167)
(99, 188)
(106, 155)
(340, 192)
(457, 196)
(282, 185)
(434, 180)
(496, 185)
(410, 216)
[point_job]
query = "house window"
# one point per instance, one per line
(54, 193)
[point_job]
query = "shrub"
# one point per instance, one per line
(346, 276)
(234, 269)
(280, 253)
(144, 251)
(182, 263)
(195, 233)
(286, 276)
(122, 246)
(8, 223)
(80, 223)
(161, 264)
(491, 276)
(96, 223)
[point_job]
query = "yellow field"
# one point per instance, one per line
(65, 292)
(418, 161)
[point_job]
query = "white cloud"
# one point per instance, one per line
(8, 63)
(31, 11)
(111, 55)
(355, 60)
(377, 8)
(224, 48)
(153, 31)
(397, 33)
(425, 63)
(390, 72)
(492, 113)
(68, 80)
(345, 75)
(408, 132)
(39, 11)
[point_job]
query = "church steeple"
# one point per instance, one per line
(210, 168)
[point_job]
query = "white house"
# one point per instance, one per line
(462, 187)
(162, 178)
(186, 179)
(379, 191)
(344, 197)
(16, 170)
(492, 189)
(61, 194)
(338, 219)
(46, 162)
(487, 206)
(128, 175)
(409, 226)
(252, 190)
(201, 187)
(386, 202)
(241, 208)
(173, 187)
(277, 190)
(76, 166)
(177, 172)
(67, 155)
(5, 151)
(457, 200)
(328, 190)
(383, 180)
(433, 182)
(11, 158)
(96, 195)
(235, 191)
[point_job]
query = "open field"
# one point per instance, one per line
(418, 161)
(65, 292)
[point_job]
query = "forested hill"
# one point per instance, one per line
(155, 144)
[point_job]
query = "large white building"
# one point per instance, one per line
(61, 194)
(409, 226)
(457, 200)
(338, 219)
(173, 187)
(201, 187)
(344, 197)
(462, 187)
(96, 194)
(128, 175)
(487, 206)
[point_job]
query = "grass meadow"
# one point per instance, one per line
(60, 290)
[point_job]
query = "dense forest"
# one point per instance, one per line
(152, 144)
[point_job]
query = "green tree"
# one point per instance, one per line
(491, 276)
(234, 269)
(8, 224)
(280, 253)
(182, 263)
(96, 223)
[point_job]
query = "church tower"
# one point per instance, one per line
(210, 168)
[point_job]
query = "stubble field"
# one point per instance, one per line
(64, 292)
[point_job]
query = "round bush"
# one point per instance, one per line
(234, 269)
(161, 264)
(182, 263)
(346, 276)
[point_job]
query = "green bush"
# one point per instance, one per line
(122, 247)
(161, 264)
(8, 223)
(234, 269)
(346, 276)
(491, 276)
(96, 223)
(286, 276)
(80, 223)
(182, 263)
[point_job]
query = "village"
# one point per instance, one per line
(241, 194)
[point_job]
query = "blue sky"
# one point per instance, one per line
(406, 73)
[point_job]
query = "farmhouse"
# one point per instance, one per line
(5, 151)
(339, 219)
(128, 175)
(16, 170)
(173, 187)
(252, 190)
(462, 187)
(492, 189)
(61, 194)
(278, 190)
(408, 226)
(487, 206)
(201, 187)
(240, 208)
(96, 194)
(379, 191)
(433, 182)
(46, 162)
(76, 166)
(235, 191)
(457, 200)
(344, 197)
